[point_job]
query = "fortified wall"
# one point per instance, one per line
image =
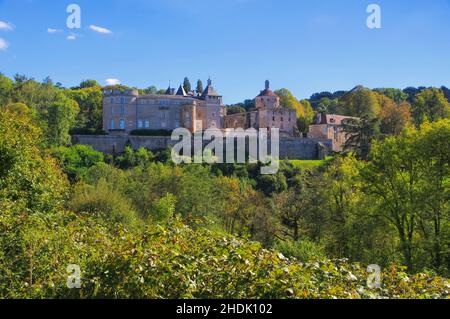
(290, 148)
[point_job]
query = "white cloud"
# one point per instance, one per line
(51, 30)
(6, 26)
(100, 29)
(71, 37)
(3, 44)
(112, 81)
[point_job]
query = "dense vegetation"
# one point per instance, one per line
(139, 226)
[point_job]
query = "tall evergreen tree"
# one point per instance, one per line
(200, 86)
(187, 85)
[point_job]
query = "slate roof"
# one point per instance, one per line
(181, 91)
(209, 90)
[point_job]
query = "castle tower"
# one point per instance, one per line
(267, 99)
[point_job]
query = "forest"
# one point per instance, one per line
(140, 226)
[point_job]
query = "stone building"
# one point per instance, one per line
(268, 113)
(126, 111)
(330, 127)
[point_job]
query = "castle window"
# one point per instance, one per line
(122, 109)
(177, 124)
(112, 125)
(140, 124)
(147, 124)
(122, 124)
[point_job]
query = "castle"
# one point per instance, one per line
(127, 111)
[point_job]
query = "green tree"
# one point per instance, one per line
(407, 178)
(200, 86)
(29, 178)
(397, 95)
(90, 102)
(89, 84)
(287, 99)
(60, 118)
(431, 105)
(306, 117)
(6, 89)
(360, 133)
(77, 160)
(187, 85)
(360, 103)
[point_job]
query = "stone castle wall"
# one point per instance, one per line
(290, 148)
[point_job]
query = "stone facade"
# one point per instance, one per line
(126, 111)
(268, 114)
(330, 127)
(290, 148)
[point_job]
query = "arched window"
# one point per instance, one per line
(112, 125)
(122, 124)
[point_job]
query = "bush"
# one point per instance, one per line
(104, 200)
(174, 262)
(304, 250)
(76, 160)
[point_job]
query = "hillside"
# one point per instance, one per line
(174, 262)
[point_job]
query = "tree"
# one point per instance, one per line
(151, 90)
(187, 85)
(77, 160)
(394, 118)
(360, 103)
(60, 118)
(199, 87)
(90, 102)
(89, 84)
(433, 153)
(235, 109)
(398, 96)
(407, 179)
(431, 105)
(6, 90)
(287, 99)
(306, 117)
(360, 133)
(341, 189)
(327, 106)
(29, 178)
(292, 206)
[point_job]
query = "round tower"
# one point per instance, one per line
(267, 99)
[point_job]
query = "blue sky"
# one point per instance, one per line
(306, 46)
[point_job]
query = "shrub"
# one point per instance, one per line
(103, 199)
(174, 262)
(304, 250)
